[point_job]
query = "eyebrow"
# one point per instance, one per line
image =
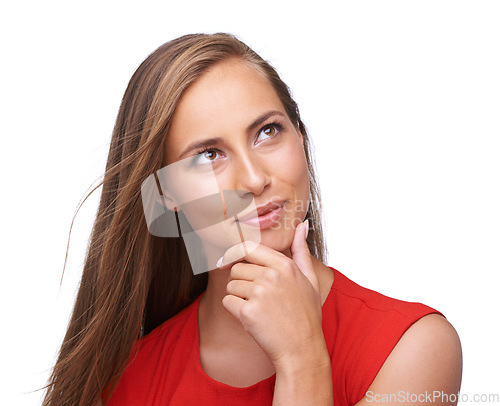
(215, 140)
(264, 117)
(209, 142)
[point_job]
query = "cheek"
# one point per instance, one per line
(291, 167)
(185, 184)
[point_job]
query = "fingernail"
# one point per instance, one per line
(307, 228)
(219, 262)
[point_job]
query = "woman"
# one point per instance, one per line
(270, 322)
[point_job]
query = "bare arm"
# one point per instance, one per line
(425, 367)
(308, 381)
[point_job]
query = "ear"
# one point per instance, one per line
(301, 137)
(168, 202)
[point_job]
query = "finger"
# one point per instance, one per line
(245, 271)
(233, 304)
(240, 288)
(301, 254)
(254, 253)
(235, 253)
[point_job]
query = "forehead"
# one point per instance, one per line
(231, 93)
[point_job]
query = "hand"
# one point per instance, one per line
(276, 299)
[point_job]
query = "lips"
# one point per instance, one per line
(262, 210)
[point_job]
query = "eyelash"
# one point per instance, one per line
(277, 124)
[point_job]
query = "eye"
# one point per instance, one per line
(269, 131)
(205, 156)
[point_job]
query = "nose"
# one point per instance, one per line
(251, 174)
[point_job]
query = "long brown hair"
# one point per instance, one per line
(132, 281)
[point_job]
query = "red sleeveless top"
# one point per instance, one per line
(361, 327)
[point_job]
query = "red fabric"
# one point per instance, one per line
(361, 328)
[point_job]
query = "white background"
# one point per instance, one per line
(401, 99)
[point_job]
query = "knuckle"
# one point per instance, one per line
(247, 313)
(258, 290)
(284, 262)
(234, 253)
(240, 248)
(250, 245)
(287, 265)
(272, 275)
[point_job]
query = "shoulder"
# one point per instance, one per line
(368, 319)
(367, 329)
(164, 347)
(174, 332)
(430, 348)
(360, 299)
(163, 342)
(426, 361)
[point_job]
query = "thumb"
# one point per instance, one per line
(301, 254)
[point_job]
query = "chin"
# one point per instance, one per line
(278, 241)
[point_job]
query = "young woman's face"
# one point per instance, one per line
(231, 124)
